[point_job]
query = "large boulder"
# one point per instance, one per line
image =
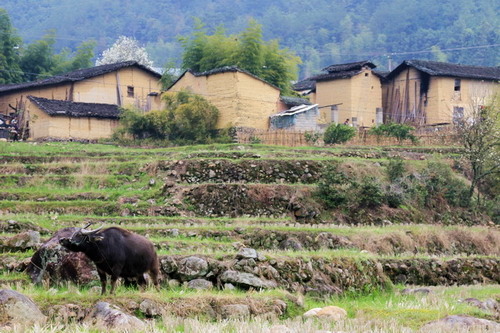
(246, 280)
(53, 263)
(192, 267)
(17, 309)
(106, 316)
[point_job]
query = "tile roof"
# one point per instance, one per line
(435, 68)
(55, 107)
(294, 101)
(352, 66)
(335, 75)
(78, 75)
(225, 69)
(306, 84)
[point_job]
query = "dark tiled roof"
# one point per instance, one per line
(55, 107)
(381, 74)
(225, 69)
(306, 84)
(294, 101)
(78, 75)
(335, 75)
(352, 66)
(435, 68)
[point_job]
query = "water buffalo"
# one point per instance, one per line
(117, 252)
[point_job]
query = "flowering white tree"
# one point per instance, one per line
(125, 49)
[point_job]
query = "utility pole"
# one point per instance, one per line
(389, 63)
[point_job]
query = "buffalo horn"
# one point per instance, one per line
(88, 232)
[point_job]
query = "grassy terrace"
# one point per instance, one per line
(54, 185)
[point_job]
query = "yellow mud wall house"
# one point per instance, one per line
(126, 84)
(348, 91)
(243, 99)
(431, 93)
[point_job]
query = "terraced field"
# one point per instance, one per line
(204, 205)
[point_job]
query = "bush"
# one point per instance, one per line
(399, 131)
(338, 133)
(188, 118)
(395, 169)
(312, 137)
(334, 187)
(370, 194)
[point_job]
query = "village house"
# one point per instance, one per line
(126, 84)
(347, 93)
(432, 93)
(243, 99)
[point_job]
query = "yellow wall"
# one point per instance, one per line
(359, 96)
(242, 100)
(404, 94)
(42, 126)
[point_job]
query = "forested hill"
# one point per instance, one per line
(321, 32)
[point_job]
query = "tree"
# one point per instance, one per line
(10, 71)
(479, 133)
(192, 118)
(66, 61)
(250, 55)
(248, 51)
(37, 59)
(125, 49)
(338, 133)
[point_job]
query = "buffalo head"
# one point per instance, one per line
(81, 239)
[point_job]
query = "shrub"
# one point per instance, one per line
(399, 131)
(188, 118)
(191, 117)
(334, 187)
(338, 133)
(395, 169)
(312, 137)
(370, 194)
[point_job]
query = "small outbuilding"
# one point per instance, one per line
(57, 119)
(301, 117)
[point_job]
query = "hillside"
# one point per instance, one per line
(321, 33)
(204, 207)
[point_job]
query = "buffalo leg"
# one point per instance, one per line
(154, 274)
(114, 278)
(141, 282)
(103, 277)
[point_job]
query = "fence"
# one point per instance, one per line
(427, 136)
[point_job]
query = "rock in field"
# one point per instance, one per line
(312, 313)
(200, 284)
(150, 308)
(54, 263)
(23, 241)
(330, 312)
(460, 321)
(235, 311)
(246, 280)
(17, 309)
(105, 315)
(247, 253)
(192, 267)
